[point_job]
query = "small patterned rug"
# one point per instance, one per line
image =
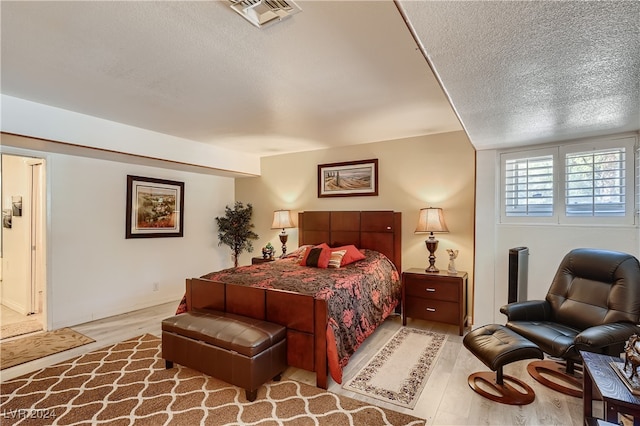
(128, 384)
(35, 346)
(399, 371)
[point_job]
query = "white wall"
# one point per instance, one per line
(485, 237)
(95, 271)
(547, 245)
(92, 270)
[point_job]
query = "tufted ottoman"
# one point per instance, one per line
(496, 346)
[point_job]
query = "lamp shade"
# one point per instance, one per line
(282, 219)
(431, 220)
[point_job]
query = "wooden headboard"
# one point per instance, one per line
(374, 230)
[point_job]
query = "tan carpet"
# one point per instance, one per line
(35, 346)
(399, 371)
(127, 383)
(19, 328)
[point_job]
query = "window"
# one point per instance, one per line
(595, 183)
(529, 186)
(590, 182)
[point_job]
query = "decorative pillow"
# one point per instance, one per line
(336, 258)
(299, 252)
(352, 254)
(317, 256)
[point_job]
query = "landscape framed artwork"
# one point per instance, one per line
(348, 179)
(155, 207)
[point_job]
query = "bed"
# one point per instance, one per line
(328, 312)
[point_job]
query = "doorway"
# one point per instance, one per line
(23, 271)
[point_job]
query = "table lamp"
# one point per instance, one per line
(282, 219)
(431, 220)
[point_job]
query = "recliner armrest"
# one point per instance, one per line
(530, 310)
(605, 335)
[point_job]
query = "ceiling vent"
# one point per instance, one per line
(263, 12)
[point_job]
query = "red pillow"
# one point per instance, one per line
(317, 256)
(352, 254)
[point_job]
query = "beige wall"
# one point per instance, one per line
(16, 265)
(426, 171)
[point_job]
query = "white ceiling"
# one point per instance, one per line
(338, 73)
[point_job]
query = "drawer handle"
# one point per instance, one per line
(431, 309)
(432, 290)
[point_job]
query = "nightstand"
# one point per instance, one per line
(436, 296)
(257, 260)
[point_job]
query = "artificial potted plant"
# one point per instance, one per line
(234, 229)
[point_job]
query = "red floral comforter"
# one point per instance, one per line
(359, 296)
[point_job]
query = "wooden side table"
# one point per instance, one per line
(257, 260)
(601, 380)
(438, 297)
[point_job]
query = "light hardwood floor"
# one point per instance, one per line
(446, 399)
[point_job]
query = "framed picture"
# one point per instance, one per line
(6, 218)
(353, 178)
(16, 205)
(155, 207)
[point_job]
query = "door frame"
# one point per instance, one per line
(45, 225)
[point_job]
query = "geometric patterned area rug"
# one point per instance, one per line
(398, 373)
(127, 383)
(35, 346)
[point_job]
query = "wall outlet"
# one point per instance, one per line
(156, 286)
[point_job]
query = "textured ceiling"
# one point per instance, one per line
(338, 73)
(530, 72)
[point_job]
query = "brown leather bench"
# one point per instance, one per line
(242, 351)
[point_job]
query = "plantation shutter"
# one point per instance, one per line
(529, 186)
(595, 183)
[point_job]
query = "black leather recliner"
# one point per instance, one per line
(593, 305)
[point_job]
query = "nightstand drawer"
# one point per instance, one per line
(433, 310)
(431, 289)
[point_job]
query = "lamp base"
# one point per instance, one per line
(283, 239)
(432, 246)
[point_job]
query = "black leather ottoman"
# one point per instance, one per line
(496, 346)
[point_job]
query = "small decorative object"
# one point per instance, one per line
(155, 208)
(234, 229)
(632, 355)
(431, 220)
(282, 219)
(270, 250)
(453, 254)
(628, 371)
(353, 178)
(16, 205)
